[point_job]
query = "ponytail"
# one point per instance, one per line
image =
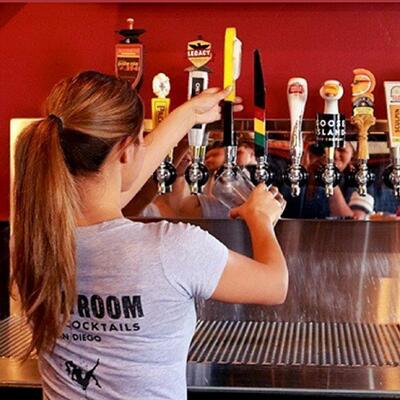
(50, 158)
(44, 212)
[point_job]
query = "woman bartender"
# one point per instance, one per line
(111, 301)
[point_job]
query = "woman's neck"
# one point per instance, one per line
(99, 201)
(96, 216)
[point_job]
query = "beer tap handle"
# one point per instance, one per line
(260, 138)
(363, 118)
(196, 174)
(199, 53)
(392, 173)
(361, 177)
(165, 175)
(231, 187)
(129, 55)
(296, 175)
(261, 172)
(330, 134)
(232, 61)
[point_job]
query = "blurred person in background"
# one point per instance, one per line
(313, 203)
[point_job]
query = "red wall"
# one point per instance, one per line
(41, 43)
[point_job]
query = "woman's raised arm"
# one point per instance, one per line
(201, 109)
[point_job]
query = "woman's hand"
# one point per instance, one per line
(206, 108)
(261, 204)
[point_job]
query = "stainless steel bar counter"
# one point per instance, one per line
(338, 333)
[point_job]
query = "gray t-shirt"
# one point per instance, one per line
(130, 331)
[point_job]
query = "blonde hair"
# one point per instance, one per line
(87, 115)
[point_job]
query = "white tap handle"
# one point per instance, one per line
(237, 58)
(198, 82)
(297, 92)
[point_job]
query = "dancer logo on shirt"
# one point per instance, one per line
(80, 375)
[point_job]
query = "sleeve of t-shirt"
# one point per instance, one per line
(192, 259)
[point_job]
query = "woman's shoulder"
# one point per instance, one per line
(162, 228)
(123, 231)
(119, 231)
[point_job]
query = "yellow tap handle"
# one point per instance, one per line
(229, 64)
(159, 109)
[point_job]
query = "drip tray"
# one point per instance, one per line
(260, 357)
(321, 344)
(345, 344)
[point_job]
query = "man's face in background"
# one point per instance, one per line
(214, 159)
(245, 155)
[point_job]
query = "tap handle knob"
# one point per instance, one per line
(391, 178)
(171, 176)
(359, 177)
(296, 176)
(165, 176)
(196, 175)
(303, 176)
(326, 175)
(130, 22)
(262, 173)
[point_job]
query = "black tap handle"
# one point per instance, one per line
(229, 129)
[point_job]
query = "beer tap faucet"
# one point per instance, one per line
(363, 118)
(165, 175)
(199, 54)
(262, 171)
(296, 175)
(392, 173)
(330, 132)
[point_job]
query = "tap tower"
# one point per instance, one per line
(330, 133)
(262, 171)
(199, 54)
(165, 175)
(363, 118)
(296, 175)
